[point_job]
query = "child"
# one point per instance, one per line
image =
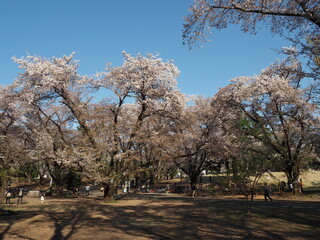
(42, 198)
(87, 190)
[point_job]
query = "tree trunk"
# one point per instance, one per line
(193, 184)
(292, 172)
(113, 189)
(29, 176)
(2, 187)
(41, 179)
(251, 197)
(106, 190)
(4, 182)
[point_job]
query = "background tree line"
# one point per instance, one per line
(145, 128)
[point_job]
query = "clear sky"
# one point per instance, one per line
(99, 30)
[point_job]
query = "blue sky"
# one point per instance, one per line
(99, 30)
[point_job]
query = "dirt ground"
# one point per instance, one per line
(160, 216)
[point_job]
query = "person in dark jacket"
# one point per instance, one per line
(266, 193)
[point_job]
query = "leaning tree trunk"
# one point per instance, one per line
(252, 191)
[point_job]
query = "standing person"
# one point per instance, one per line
(8, 196)
(20, 196)
(75, 192)
(266, 193)
(87, 189)
(301, 189)
(42, 198)
(291, 187)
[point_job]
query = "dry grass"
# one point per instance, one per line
(165, 216)
(168, 216)
(307, 176)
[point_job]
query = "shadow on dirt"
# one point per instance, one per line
(168, 217)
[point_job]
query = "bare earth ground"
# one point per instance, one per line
(161, 216)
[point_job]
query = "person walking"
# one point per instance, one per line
(76, 192)
(20, 195)
(291, 188)
(87, 190)
(42, 198)
(266, 193)
(8, 196)
(301, 186)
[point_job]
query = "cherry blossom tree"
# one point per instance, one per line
(53, 97)
(54, 144)
(109, 142)
(246, 158)
(281, 116)
(55, 81)
(7, 121)
(155, 163)
(197, 139)
(311, 49)
(150, 85)
(299, 17)
(14, 141)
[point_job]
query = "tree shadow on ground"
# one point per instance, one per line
(161, 217)
(312, 190)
